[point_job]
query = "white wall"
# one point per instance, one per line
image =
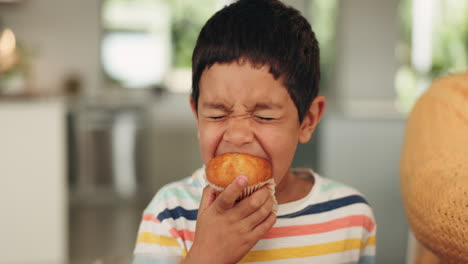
(365, 154)
(64, 34)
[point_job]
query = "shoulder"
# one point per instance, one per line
(349, 205)
(346, 199)
(184, 193)
(332, 188)
(328, 199)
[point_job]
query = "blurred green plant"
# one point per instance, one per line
(187, 17)
(22, 64)
(449, 48)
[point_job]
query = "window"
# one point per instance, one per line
(150, 42)
(434, 43)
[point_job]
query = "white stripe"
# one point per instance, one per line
(173, 203)
(306, 240)
(188, 245)
(335, 194)
(182, 223)
(155, 228)
(369, 251)
(354, 209)
(157, 250)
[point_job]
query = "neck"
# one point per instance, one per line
(292, 188)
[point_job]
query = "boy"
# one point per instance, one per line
(255, 84)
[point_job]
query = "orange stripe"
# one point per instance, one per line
(187, 235)
(150, 218)
(174, 233)
(301, 230)
(184, 234)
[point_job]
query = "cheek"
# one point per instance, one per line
(208, 138)
(282, 151)
(278, 141)
(280, 145)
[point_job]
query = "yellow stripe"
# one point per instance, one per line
(306, 251)
(370, 241)
(147, 237)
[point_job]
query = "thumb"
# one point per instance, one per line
(208, 196)
(228, 197)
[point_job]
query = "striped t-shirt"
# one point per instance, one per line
(332, 224)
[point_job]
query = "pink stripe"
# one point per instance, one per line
(184, 234)
(287, 231)
(302, 230)
(150, 218)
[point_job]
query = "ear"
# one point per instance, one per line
(195, 114)
(311, 119)
(194, 109)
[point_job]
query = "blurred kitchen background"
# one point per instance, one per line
(94, 113)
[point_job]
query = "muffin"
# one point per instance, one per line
(223, 169)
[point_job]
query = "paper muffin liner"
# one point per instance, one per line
(251, 189)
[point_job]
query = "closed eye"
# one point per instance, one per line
(265, 118)
(216, 117)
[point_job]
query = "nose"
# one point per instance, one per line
(238, 131)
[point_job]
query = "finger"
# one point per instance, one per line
(260, 214)
(252, 203)
(260, 230)
(208, 197)
(228, 197)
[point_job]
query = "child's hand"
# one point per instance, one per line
(226, 231)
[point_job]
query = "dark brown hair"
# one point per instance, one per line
(263, 32)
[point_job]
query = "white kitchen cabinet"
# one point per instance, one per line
(33, 184)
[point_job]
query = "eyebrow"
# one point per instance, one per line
(215, 106)
(258, 106)
(267, 106)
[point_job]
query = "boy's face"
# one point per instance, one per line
(244, 109)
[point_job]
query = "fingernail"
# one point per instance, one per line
(241, 180)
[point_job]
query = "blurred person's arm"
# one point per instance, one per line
(434, 169)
